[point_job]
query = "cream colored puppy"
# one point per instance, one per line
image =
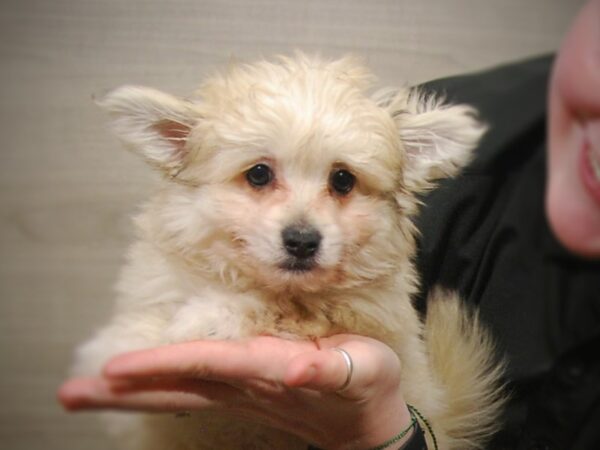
(286, 209)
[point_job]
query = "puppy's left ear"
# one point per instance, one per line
(438, 138)
(153, 124)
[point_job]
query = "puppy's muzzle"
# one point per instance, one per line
(301, 243)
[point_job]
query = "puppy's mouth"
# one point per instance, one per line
(298, 265)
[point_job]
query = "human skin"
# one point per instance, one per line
(268, 379)
(573, 193)
(277, 381)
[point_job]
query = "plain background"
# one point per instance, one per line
(67, 190)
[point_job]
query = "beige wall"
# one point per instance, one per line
(66, 189)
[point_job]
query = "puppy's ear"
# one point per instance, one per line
(153, 124)
(438, 138)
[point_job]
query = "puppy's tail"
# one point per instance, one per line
(464, 361)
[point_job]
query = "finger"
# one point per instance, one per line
(211, 390)
(229, 361)
(96, 393)
(324, 370)
(172, 396)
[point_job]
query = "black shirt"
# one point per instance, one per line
(485, 234)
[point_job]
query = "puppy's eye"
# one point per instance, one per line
(259, 175)
(342, 181)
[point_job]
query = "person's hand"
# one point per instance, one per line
(291, 385)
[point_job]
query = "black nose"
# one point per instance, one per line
(301, 241)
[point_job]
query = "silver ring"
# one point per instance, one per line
(349, 366)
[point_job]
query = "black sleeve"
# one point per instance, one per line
(485, 234)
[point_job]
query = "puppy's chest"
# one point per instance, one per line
(213, 314)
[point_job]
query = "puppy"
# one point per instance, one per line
(286, 209)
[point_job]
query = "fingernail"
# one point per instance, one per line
(74, 394)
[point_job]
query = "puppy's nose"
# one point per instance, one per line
(301, 241)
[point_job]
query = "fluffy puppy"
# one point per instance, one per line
(286, 210)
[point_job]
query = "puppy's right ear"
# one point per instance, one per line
(153, 124)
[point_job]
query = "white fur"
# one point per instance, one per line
(207, 261)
